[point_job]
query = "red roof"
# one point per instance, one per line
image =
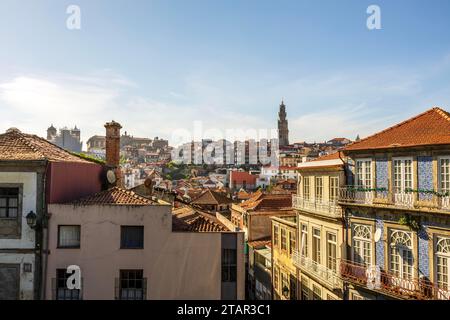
(240, 176)
(331, 156)
(431, 127)
(114, 196)
(190, 219)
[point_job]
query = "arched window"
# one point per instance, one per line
(362, 243)
(400, 253)
(443, 262)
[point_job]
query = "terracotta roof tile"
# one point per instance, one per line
(17, 146)
(264, 202)
(192, 220)
(114, 196)
(210, 197)
(240, 176)
(431, 127)
(331, 156)
(258, 244)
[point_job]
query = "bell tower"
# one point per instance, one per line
(283, 131)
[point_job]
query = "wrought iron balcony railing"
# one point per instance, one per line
(404, 288)
(325, 208)
(408, 199)
(328, 276)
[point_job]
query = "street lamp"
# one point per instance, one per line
(31, 219)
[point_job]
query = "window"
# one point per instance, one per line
(330, 297)
(334, 188)
(132, 237)
(364, 173)
(362, 244)
(304, 244)
(331, 251)
(306, 188)
(275, 235)
(62, 292)
(229, 265)
(443, 263)
(68, 236)
(283, 239)
(276, 278)
(9, 202)
(132, 285)
(319, 188)
(317, 292)
(400, 253)
(402, 174)
(316, 245)
(292, 242)
(305, 289)
(444, 174)
(285, 290)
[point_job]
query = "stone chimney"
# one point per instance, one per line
(113, 149)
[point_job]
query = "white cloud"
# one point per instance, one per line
(319, 107)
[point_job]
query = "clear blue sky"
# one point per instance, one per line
(157, 66)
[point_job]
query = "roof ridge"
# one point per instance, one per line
(433, 109)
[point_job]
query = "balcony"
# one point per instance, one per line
(389, 284)
(330, 277)
(326, 208)
(404, 199)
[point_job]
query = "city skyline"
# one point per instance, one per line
(157, 68)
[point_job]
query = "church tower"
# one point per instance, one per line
(283, 131)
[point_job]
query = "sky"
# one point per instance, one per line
(166, 67)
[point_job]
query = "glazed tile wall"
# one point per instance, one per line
(425, 176)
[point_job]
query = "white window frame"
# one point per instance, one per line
(318, 189)
(401, 253)
(306, 187)
(304, 239)
(334, 189)
(316, 250)
(446, 257)
(363, 182)
(329, 257)
(440, 174)
(402, 186)
(361, 242)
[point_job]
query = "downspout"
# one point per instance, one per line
(344, 233)
(45, 237)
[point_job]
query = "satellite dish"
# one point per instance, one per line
(111, 176)
(377, 235)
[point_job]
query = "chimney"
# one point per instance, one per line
(113, 149)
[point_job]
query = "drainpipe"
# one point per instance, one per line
(344, 233)
(45, 237)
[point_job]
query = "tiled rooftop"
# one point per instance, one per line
(192, 220)
(431, 127)
(262, 201)
(114, 196)
(210, 197)
(18, 146)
